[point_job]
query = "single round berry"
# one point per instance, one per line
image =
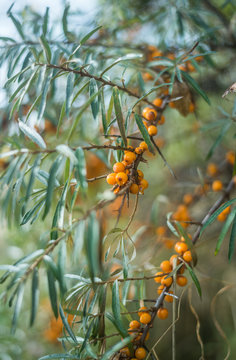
(172, 260)
(140, 353)
(166, 266)
(121, 178)
(143, 145)
(169, 298)
(212, 169)
(157, 102)
(138, 150)
(166, 281)
(111, 179)
(145, 318)
(134, 189)
(187, 256)
(160, 289)
(181, 280)
(162, 120)
(125, 351)
(217, 185)
(191, 107)
(181, 247)
(142, 312)
(230, 157)
(118, 167)
(159, 276)
(162, 313)
(188, 199)
(161, 230)
(134, 324)
(129, 157)
(172, 104)
(152, 130)
(151, 115)
(143, 184)
(140, 174)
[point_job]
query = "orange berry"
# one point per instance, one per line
(150, 114)
(134, 324)
(169, 298)
(160, 289)
(147, 336)
(152, 130)
(181, 247)
(157, 102)
(166, 281)
(116, 190)
(166, 266)
(141, 312)
(143, 145)
(159, 276)
(125, 351)
(190, 67)
(191, 107)
(147, 76)
(181, 280)
(121, 178)
(157, 53)
(162, 120)
(140, 353)
(140, 174)
(222, 217)
(145, 318)
(130, 148)
(187, 199)
(124, 163)
(111, 179)
(227, 210)
(199, 58)
(230, 157)
(118, 167)
(129, 157)
(145, 111)
(181, 270)
(187, 256)
(217, 185)
(172, 104)
(134, 189)
(161, 230)
(139, 150)
(143, 184)
(162, 313)
(212, 169)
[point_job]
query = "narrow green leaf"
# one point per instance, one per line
(51, 185)
(144, 132)
(29, 214)
(116, 309)
(17, 25)
(58, 356)
(92, 246)
(67, 152)
(45, 88)
(19, 299)
(123, 58)
(69, 92)
(62, 114)
(80, 169)
(196, 87)
(66, 325)
(45, 21)
(232, 238)
(224, 230)
(119, 115)
(52, 292)
(115, 348)
(93, 89)
(46, 48)
(61, 265)
(34, 295)
(87, 36)
(103, 110)
(32, 134)
(149, 92)
(195, 279)
(219, 139)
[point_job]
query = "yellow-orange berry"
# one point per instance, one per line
(162, 313)
(121, 178)
(188, 199)
(161, 230)
(181, 247)
(150, 115)
(145, 318)
(181, 280)
(140, 174)
(212, 169)
(172, 104)
(140, 353)
(217, 185)
(118, 167)
(130, 148)
(152, 130)
(134, 189)
(129, 157)
(143, 145)
(162, 120)
(169, 298)
(166, 266)
(111, 179)
(134, 324)
(139, 150)
(159, 276)
(147, 336)
(142, 312)
(222, 217)
(160, 289)
(125, 351)
(230, 157)
(143, 184)
(191, 107)
(157, 102)
(116, 190)
(187, 256)
(166, 281)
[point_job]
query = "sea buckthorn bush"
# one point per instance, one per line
(118, 182)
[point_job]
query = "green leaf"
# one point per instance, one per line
(219, 139)
(196, 87)
(232, 238)
(213, 217)
(116, 309)
(34, 295)
(149, 92)
(103, 110)
(69, 92)
(80, 169)
(19, 299)
(17, 25)
(115, 348)
(32, 134)
(123, 58)
(61, 265)
(119, 115)
(67, 152)
(51, 185)
(224, 230)
(52, 291)
(62, 113)
(92, 243)
(66, 325)
(45, 88)
(195, 279)
(87, 36)
(45, 21)
(46, 48)
(29, 214)
(144, 132)
(58, 356)
(93, 89)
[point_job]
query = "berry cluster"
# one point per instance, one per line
(126, 172)
(152, 118)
